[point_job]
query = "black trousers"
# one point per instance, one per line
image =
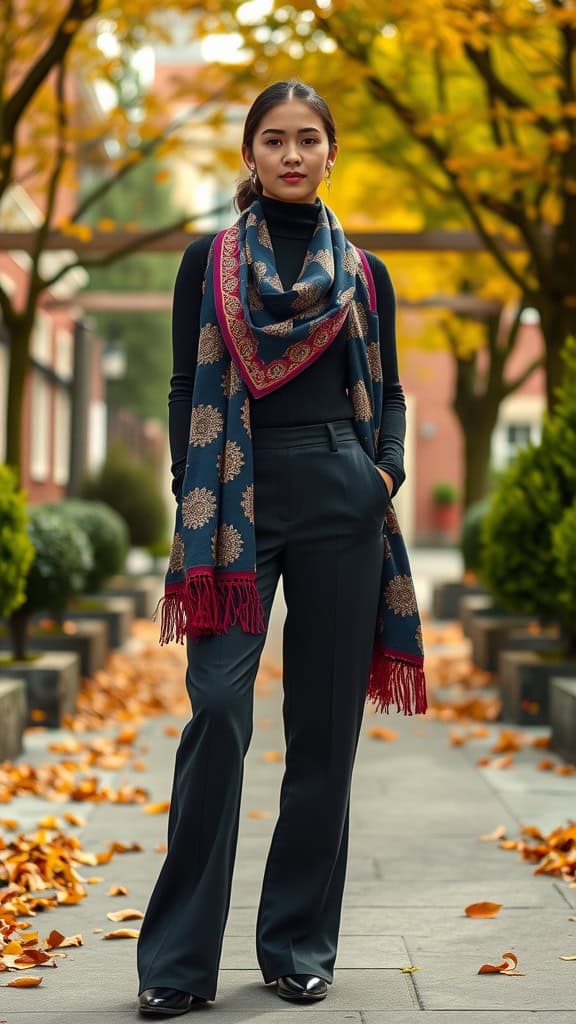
(319, 509)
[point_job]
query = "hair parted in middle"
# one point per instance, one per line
(279, 92)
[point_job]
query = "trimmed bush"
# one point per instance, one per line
(471, 535)
(16, 551)
(108, 535)
(62, 562)
(444, 493)
(132, 489)
(527, 533)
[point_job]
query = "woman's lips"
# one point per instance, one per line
(292, 177)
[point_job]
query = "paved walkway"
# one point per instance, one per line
(408, 953)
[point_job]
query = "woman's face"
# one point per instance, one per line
(290, 152)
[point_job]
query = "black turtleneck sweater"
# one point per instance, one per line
(318, 394)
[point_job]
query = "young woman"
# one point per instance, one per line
(287, 424)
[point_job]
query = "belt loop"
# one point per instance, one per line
(332, 437)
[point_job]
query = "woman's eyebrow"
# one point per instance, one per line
(280, 131)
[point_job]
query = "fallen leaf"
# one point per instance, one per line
(59, 941)
(97, 931)
(26, 982)
(498, 833)
(118, 890)
(171, 730)
(160, 848)
(259, 814)
(567, 958)
(123, 933)
(504, 968)
(272, 755)
(482, 909)
(160, 808)
(94, 879)
(126, 914)
(376, 732)
(408, 970)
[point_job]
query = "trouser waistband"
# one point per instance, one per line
(306, 434)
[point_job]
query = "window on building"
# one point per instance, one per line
(510, 437)
(61, 436)
(39, 427)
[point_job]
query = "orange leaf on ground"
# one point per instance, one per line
(59, 941)
(259, 814)
(498, 833)
(171, 730)
(482, 909)
(510, 962)
(123, 933)
(160, 848)
(118, 890)
(541, 741)
(376, 732)
(567, 958)
(273, 755)
(26, 982)
(159, 808)
(545, 765)
(126, 914)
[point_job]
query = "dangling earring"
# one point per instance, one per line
(328, 174)
(253, 176)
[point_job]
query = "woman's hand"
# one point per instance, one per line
(386, 478)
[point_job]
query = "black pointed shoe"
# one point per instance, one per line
(166, 1002)
(301, 988)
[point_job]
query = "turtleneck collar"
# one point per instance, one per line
(290, 220)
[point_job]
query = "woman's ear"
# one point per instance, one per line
(333, 152)
(247, 157)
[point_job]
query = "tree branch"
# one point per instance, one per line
(145, 150)
(78, 12)
(513, 385)
(138, 244)
(483, 63)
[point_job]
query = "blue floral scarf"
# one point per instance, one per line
(254, 338)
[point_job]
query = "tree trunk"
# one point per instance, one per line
(19, 361)
(18, 623)
(558, 322)
(477, 437)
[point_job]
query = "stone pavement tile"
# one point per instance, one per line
(354, 951)
(469, 1017)
(201, 1016)
(448, 977)
(353, 990)
(533, 892)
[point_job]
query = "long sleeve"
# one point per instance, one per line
(185, 334)
(390, 456)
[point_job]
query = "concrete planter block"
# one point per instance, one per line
(446, 598)
(116, 612)
(563, 717)
(89, 642)
(52, 682)
(13, 717)
(473, 604)
(524, 681)
(489, 634)
(145, 590)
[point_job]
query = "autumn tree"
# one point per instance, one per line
(474, 100)
(54, 57)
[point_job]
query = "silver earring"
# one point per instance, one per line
(328, 174)
(253, 176)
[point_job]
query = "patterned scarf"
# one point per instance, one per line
(254, 338)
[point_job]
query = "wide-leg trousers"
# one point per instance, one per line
(319, 506)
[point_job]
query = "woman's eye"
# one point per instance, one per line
(313, 141)
(272, 142)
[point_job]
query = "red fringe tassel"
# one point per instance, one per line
(207, 604)
(395, 680)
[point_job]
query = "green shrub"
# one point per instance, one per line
(16, 551)
(471, 535)
(444, 493)
(107, 533)
(564, 547)
(132, 489)
(62, 561)
(529, 526)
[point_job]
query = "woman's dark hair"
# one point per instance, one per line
(277, 93)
